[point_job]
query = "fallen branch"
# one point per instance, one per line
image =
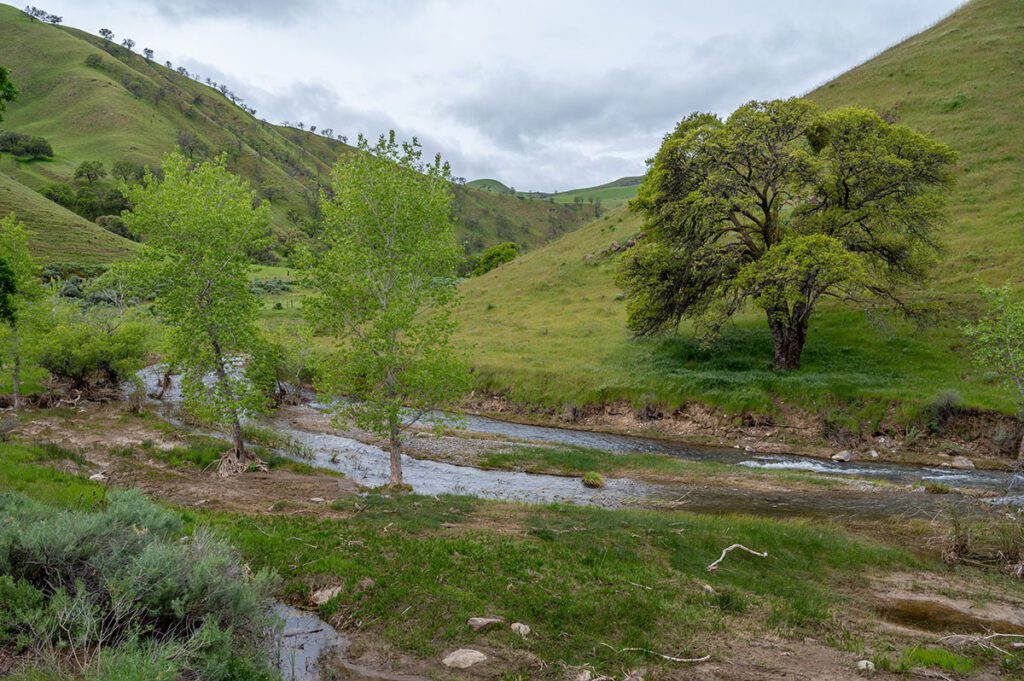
(619, 651)
(714, 566)
(985, 642)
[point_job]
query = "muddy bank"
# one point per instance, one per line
(991, 438)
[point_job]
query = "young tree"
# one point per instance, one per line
(27, 291)
(998, 342)
(90, 171)
(385, 285)
(200, 227)
(8, 93)
(782, 205)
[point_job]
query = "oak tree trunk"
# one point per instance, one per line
(788, 337)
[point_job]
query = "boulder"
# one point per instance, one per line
(522, 629)
(961, 463)
(463, 658)
(321, 596)
(873, 453)
(844, 456)
(97, 477)
(481, 623)
(866, 666)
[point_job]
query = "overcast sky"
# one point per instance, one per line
(542, 95)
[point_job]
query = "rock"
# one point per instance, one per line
(584, 675)
(321, 596)
(97, 477)
(961, 463)
(317, 500)
(873, 453)
(481, 623)
(463, 658)
(844, 456)
(708, 589)
(866, 666)
(522, 629)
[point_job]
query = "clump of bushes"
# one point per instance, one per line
(273, 285)
(123, 593)
(29, 146)
(492, 258)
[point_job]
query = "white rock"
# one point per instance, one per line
(522, 629)
(584, 675)
(463, 658)
(961, 463)
(844, 456)
(97, 477)
(873, 453)
(479, 623)
(321, 596)
(866, 666)
(317, 500)
(708, 589)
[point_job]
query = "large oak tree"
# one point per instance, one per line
(782, 205)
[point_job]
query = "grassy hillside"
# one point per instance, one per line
(57, 234)
(551, 327)
(127, 108)
(611, 194)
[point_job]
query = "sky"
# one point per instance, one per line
(543, 95)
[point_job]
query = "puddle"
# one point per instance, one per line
(942, 615)
(309, 649)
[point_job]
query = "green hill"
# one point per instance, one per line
(121, 107)
(489, 185)
(550, 327)
(611, 194)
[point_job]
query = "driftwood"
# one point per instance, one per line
(725, 552)
(670, 658)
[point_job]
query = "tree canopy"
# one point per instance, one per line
(782, 205)
(8, 93)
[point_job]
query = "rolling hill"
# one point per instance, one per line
(122, 107)
(611, 194)
(549, 328)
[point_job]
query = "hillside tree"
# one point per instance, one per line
(782, 205)
(106, 34)
(201, 227)
(147, 54)
(128, 44)
(27, 315)
(90, 171)
(385, 285)
(998, 342)
(8, 93)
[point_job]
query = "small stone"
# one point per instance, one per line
(866, 666)
(481, 623)
(961, 463)
(317, 500)
(873, 453)
(97, 477)
(463, 658)
(522, 629)
(321, 596)
(844, 456)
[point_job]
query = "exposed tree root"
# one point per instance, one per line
(234, 463)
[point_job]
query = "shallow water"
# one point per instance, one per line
(368, 465)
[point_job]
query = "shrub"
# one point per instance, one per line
(162, 605)
(31, 146)
(78, 350)
(114, 223)
(493, 257)
(943, 407)
(94, 61)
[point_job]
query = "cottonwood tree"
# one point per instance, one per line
(385, 286)
(200, 227)
(782, 205)
(998, 342)
(28, 315)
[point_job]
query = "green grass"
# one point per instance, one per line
(549, 327)
(576, 575)
(611, 194)
(21, 471)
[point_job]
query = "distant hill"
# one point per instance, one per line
(549, 327)
(121, 107)
(611, 194)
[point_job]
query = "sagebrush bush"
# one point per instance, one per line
(128, 581)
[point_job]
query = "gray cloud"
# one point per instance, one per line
(540, 95)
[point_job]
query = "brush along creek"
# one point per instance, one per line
(875, 498)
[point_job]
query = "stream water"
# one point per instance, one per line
(368, 465)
